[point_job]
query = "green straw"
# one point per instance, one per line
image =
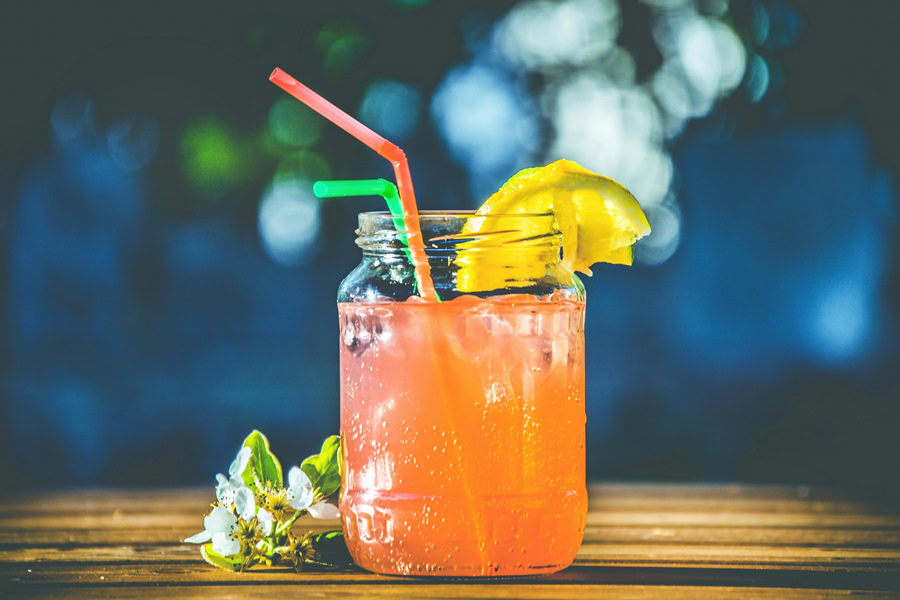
(366, 187)
(369, 187)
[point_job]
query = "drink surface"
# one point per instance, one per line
(462, 428)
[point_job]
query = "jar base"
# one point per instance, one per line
(515, 535)
(470, 574)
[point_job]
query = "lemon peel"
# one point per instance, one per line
(598, 218)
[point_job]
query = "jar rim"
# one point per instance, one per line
(443, 214)
(443, 232)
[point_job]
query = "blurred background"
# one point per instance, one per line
(169, 280)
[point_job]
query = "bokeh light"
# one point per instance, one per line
(303, 165)
(843, 320)
(72, 119)
(757, 78)
(210, 155)
(542, 34)
(612, 130)
(292, 124)
(133, 142)
(289, 221)
(391, 108)
(487, 122)
(340, 43)
(665, 221)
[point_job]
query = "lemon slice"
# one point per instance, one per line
(598, 218)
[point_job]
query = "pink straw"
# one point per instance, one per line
(390, 151)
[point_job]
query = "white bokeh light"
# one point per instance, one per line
(612, 130)
(289, 222)
(540, 34)
(665, 221)
(484, 119)
(704, 52)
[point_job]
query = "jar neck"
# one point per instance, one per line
(446, 236)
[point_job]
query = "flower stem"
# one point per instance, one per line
(286, 526)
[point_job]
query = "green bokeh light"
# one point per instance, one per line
(340, 43)
(293, 124)
(210, 155)
(303, 165)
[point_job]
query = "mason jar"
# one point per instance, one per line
(463, 420)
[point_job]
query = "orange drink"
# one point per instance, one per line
(463, 433)
(462, 421)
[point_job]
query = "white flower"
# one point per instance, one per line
(229, 486)
(300, 489)
(300, 496)
(265, 520)
(245, 503)
(220, 526)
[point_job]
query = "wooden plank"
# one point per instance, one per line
(608, 554)
(449, 591)
(650, 535)
(728, 519)
(151, 575)
(619, 497)
(596, 518)
(118, 520)
(698, 519)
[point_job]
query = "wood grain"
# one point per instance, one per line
(641, 541)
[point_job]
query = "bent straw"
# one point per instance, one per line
(414, 236)
(366, 187)
(370, 187)
(390, 151)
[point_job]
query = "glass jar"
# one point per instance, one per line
(463, 421)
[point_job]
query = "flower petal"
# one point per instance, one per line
(265, 520)
(240, 462)
(225, 545)
(225, 494)
(296, 477)
(221, 479)
(200, 538)
(324, 510)
(300, 492)
(245, 503)
(220, 520)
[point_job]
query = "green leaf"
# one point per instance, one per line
(217, 560)
(332, 549)
(262, 463)
(324, 468)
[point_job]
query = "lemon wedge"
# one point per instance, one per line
(598, 218)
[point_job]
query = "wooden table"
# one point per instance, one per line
(700, 541)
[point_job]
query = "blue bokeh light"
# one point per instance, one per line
(487, 122)
(391, 108)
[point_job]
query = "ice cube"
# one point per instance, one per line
(382, 324)
(356, 333)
